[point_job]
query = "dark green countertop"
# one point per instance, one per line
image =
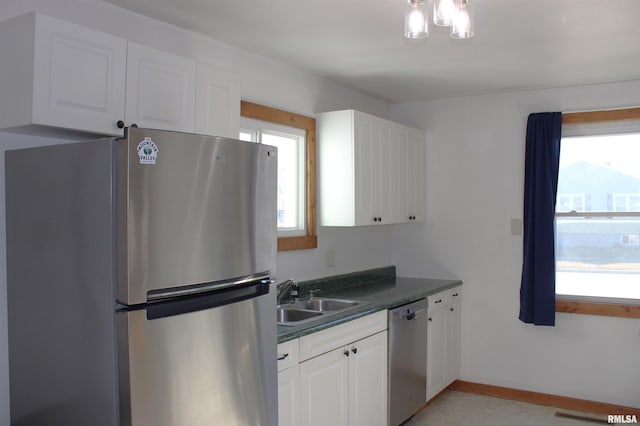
(382, 294)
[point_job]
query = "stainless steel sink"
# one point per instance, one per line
(323, 304)
(286, 314)
(302, 311)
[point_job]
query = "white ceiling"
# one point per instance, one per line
(519, 44)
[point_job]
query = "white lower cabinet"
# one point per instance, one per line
(342, 376)
(324, 389)
(443, 340)
(347, 386)
(288, 383)
(368, 381)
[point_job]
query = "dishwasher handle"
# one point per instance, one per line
(412, 316)
(410, 312)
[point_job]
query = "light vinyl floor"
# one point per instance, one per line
(466, 409)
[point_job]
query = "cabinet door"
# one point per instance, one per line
(160, 89)
(367, 194)
(400, 174)
(217, 102)
(415, 169)
(453, 343)
(383, 167)
(288, 396)
(368, 381)
(436, 352)
(78, 77)
(324, 389)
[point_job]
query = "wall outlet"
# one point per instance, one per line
(330, 258)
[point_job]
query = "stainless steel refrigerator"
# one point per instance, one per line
(139, 275)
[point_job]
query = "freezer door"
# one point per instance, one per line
(214, 366)
(191, 209)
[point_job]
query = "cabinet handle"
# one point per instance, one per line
(455, 295)
(120, 124)
(451, 309)
(430, 319)
(134, 125)
(354, 350)
(280, 358)
(346, 352)
(438, 301)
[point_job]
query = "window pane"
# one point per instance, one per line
(289, 182)
(599, 256)
(248, 135)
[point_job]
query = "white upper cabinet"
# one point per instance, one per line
(56, 76)
(217, 102)
(169, 92)
(371, 170)
(62, 75)
(161, 89)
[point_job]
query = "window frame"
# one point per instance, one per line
(569, 304)
(308, 125)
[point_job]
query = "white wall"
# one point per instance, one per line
(262, 80)
(475, 169)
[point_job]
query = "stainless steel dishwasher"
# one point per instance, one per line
(407, 360)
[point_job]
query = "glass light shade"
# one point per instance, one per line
(443, 11)
(415, 19)
(462, 25)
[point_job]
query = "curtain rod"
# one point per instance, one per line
(600, 116)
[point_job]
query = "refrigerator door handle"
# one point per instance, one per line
(173, 292)
(214, 299)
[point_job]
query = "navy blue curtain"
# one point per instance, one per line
(542, 158)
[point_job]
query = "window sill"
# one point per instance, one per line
(297, 243)
(604, 309)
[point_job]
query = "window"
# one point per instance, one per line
(294, 135)
(291, 177)
(569, 202)
(598, 217)
(626, 202)
(629, 240)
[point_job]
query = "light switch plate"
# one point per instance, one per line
(330, 258)
(516, 226)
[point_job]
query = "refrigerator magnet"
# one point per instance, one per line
(147, 151)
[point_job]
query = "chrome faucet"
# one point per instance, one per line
(288, 286)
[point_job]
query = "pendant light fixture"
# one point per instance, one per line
(462, 26)
(416, 24)
(457, 14)
(443, 11)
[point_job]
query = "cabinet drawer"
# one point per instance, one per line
(324, 341)
(438, 300)
(288, 354)
(455, 294)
